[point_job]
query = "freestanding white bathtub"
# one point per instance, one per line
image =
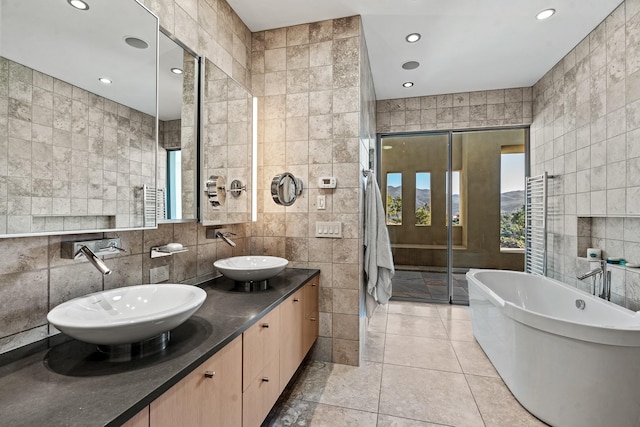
(567, 366)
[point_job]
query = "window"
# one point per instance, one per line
(455, 198)
(423, 198)
(512, 199)
(394, 199)
(174, 184)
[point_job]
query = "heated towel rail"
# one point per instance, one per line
(536, 224)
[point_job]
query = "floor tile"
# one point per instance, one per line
(389, 421)
(473, 360)
(410, 308)
(421, 352)
(300, 413)
(428, 395)
(378, 322)
(497, 405)
(374, 349)
(416, 326)
(423, 368)
(459, 330)
(457, 312)
(341, 385)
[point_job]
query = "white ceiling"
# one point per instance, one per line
(466, 45)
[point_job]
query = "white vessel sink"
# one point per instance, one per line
(250, 268)
(127, 315)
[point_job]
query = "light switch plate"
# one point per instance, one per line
(322, 202)
(159, 274)
(331, 229)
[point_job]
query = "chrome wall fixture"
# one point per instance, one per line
(285, 188)
(237, 188)
(215, 190)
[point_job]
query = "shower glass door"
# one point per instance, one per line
(453, 202)
(487, 221)
(413, 180)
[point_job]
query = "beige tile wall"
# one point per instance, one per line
(586, 132)
(33, 277)
(492, 108)
(307, 78)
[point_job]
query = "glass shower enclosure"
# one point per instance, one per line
(453, 202)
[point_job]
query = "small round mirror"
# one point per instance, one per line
(285, 188)
(215, 190)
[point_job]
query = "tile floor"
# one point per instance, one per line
(422, 368)
(429, 285)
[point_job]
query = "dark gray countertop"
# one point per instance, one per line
(71, 384)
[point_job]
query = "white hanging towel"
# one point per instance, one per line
(378, 261)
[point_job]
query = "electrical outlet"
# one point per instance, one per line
(159, 274)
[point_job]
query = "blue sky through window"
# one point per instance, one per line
(512, 172)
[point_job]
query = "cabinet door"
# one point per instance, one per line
(261, 395)
(311, 296)
(260, 345)
(209, 396)
(141, 419)
(310, 327)
(291, 320)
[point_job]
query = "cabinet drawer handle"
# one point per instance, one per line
(210, 374)
(313, 319)
(296, 299)
(265, 325)
(265, 379)
(313, 285)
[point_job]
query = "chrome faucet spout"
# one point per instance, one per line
(590, 273)
(225, 237)
(602, 289)
(93, 259)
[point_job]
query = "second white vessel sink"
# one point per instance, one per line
(127, 315)
(250, 268)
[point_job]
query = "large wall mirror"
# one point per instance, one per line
(77, 115)
(227, 148)
(177, 132)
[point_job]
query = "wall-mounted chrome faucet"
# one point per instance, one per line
(601, 280)
(93, 259)
(225, 237)
(91, 249)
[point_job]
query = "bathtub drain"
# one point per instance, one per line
(580, 304)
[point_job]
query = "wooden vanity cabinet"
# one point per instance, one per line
(239, 385)
(209, 396)
(291, 320)
(261, 368)
(299, 328)
(310, 328)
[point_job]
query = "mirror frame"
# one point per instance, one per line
(279, 195)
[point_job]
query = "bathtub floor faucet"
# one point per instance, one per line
(601, 279)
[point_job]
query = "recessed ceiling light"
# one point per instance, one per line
(413, 37)
(136, 42)
(176, 71)
(407, 84)
(105, 80)
(78, 4)
(410, 65)
(547, 13)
